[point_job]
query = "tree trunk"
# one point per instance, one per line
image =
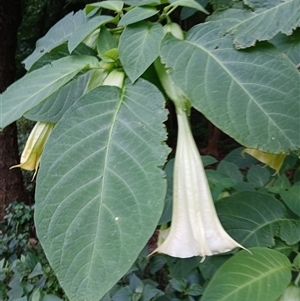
(11, 183)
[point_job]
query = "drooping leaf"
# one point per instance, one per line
(57, 34)
(252, 218)
(290, 45)
(139, 47)
(252, 95)
(137, 14)
(53, 107)
(239, 158)
(85, 29)
(261, 275)
(37, 85)
(101, 166)
(261, 24)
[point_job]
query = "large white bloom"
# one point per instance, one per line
(195, 229)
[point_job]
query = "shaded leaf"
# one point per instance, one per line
(137, 14)
(57, 34)
(290, 231)
(139, 47)
(252, 95)
(251, 218)
(37, 85)
(291, 197)
(258, 175)
(261, 275)
(85, 29)
(101, 166)
(239, 158)
(230, 170)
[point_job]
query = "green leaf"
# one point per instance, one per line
(137, 14)
(167, 212)
(105, 42)
(188, 3)
(252, 218)
(53, 107)
(239, 158)
(230, 170)
(57, 34)
(37, 85)
(179, 285)
(291, 197)
(60, 52)
(290, 231)
(252, 95)
(261, 275)
(116, 6)
(289, 45)
(261, 24)
(208, 160)
(258, 175)
(139, 47)
(142, 2)
(100, 188)
(85, 29)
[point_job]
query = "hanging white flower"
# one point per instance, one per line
(195, 229)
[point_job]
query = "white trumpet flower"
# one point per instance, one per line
(195, 229)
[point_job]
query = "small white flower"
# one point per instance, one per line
(195, 229)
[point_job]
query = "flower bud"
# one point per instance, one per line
(275, 161)
(31, 156)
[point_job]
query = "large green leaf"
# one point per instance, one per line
(85, 29)
(37, 85)
(53, 107)
(261, 275)
(139, 47)
(57, 34)
(252, 95)
(100, 188)
(267, 19)
(254, 218)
